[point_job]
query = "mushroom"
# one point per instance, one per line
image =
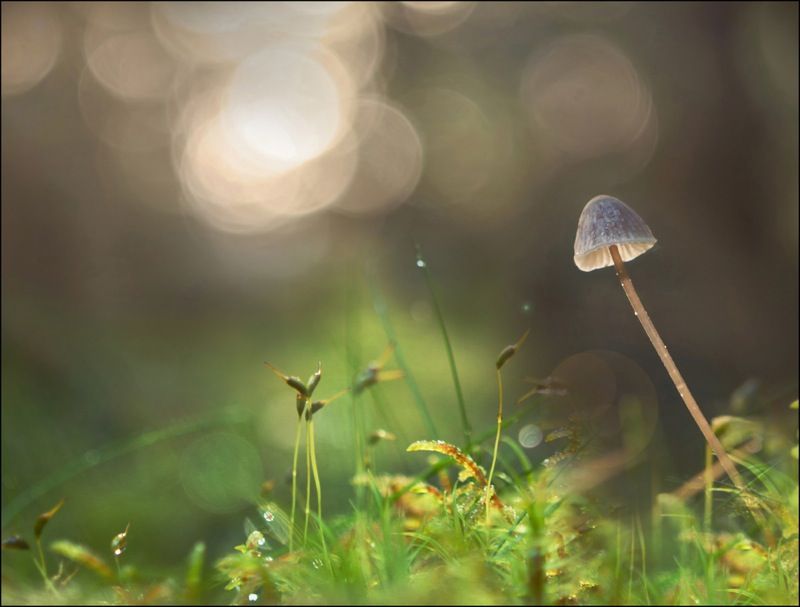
(611, 233)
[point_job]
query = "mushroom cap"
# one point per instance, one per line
(607, 221)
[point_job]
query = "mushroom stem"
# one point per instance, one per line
(672, 369)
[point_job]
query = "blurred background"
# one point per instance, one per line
(191, 189)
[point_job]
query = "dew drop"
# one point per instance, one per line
(316, 563)
(256, 538)
(526, 307)
(252, 597)
(268, 516)
(421, 262)
(118, 552)
(268, 559)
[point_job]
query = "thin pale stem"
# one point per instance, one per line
(294, 481)
(708, 479)
(41, 558)
(308, 480)
(672, 369)
(317, 485)
(41, 565)
(496, 441)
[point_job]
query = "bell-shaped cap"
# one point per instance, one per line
(607, 221)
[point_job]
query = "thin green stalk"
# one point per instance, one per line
(631, 564)
(294, 482)
(496, 440)
(617, 566)
(525, 463)
(381, 310)
(352, 356)
(308, 481)
(41, 558)
(391, 421)
(451, 358)
(41, 565)
(535, 556)
(640, 533)
(42, 568)
(318, 487)
(509, 534)
(655, 514)
(709, 484)
(360, 449)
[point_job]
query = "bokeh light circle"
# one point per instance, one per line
(133, 66)
(586, 96)
(284, 107)
(389, 159)
(530, 436)
(31, 44)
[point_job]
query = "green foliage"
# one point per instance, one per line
(532, 533)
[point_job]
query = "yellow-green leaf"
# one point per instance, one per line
(469, 466)
(83, 556)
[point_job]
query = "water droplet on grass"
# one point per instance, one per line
(120, 542)
(255, 539)
(316, 563)
(421, 262)
(252, 597)
(268, 516)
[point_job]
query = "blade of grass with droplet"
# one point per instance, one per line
(382, 311)
(352, 330)
(278, 524)
(423, 265)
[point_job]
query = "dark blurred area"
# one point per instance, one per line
(190, 189)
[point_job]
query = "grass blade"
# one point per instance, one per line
(381, 310)
(423, 265)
